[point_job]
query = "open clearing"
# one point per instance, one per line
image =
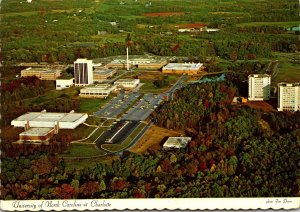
(152, 139)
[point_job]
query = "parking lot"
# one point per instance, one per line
(143, 108)
(117, 105)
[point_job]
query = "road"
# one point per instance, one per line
(176, 86)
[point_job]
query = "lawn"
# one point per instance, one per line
(95, 135)
(82, 150)
(150, 87)
(88, 105)
(287, 72)
(126, 142)
(51, 95)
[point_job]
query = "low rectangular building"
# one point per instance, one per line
(97, 91)
(183, 68)
(288, 97)
(64, 83)
(37, 134)
(176, 142)
(127, 83)
(50, 120)
(140, 63)
(41, 73)
(102, 74)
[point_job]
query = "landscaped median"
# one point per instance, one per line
(125, 144)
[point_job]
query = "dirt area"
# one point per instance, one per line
(263, 105)
(152, 139)
(11, 133)
(195, 25)
(163, 14)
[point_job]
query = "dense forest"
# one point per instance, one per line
(235, 151)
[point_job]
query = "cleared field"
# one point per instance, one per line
(152, 139)
(280, 24)
(287, 72)
(82, 150)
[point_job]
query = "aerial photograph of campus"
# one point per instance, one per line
(118, 99)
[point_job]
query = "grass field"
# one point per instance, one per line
(82, 150)
(95, 135)
(152, 139)
(287, 72)
(88, 105)
(279, 24)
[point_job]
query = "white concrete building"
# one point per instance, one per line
(176, 142)
(64, 83)
(259, 87)
(183, 68)
(98, 91)
(49, 119)
(288, 97)
(83, 72)
(127, 83)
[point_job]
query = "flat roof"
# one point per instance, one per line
(37, 131)
(259, 75)
(286, 84)
(128, 80)
(97, 87)
(49, 117)
(103, 71)
(177, 141)
(183, 66)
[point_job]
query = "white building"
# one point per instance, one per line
(176, 142)
(259, 87)
(64, 83)
(83, 72)
(127, 83)
(183, 68)
(288, 97)
(49, 119)
(98, 91)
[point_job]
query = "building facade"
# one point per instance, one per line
(64, 83)
(98, 91)
(41, 73)
(288, 97)
(83, 72)
(259, 86)
(183, 68)
(127, 83)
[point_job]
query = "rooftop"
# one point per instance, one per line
(285, 84)
(259, 75)
(103, 71)
(183, 66)
(128, 80)
(178, 142)
(36, 131)
(49, 117)
(97, 87)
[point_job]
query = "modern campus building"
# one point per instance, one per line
(288, 97)
(140, 63)
(176, 142)
(41, 73)
(183, 68)
(259, 87)
(98, 91)
(83, 72)
(41, 126)
(127, 83)
(64, 83)
(99, 75)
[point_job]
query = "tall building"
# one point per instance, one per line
(259, 87)
(288, 96)
(83, 72)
